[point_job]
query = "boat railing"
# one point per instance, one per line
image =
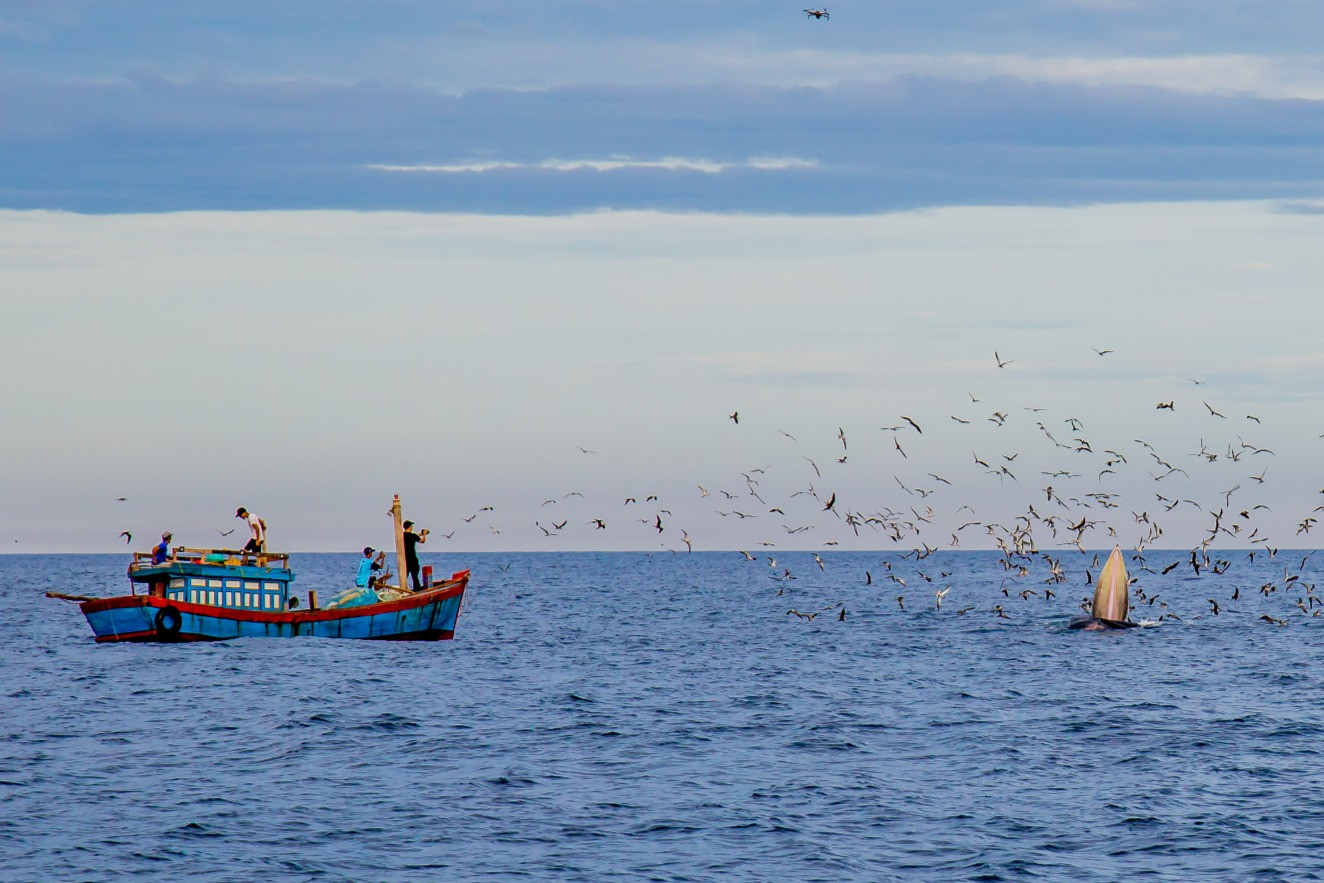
(217, 557)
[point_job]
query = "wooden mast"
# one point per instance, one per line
(399, 543)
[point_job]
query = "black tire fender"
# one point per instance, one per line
(168, 622)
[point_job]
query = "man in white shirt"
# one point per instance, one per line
(257, 542)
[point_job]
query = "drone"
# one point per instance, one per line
(817, 13)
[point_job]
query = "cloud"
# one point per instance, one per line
(1299, 207)
(461, 46)
(151, 144)
(608, 165)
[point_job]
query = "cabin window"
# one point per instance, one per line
(213, 584)
(273, 587)
(193, 596)
(197, 581)
(229, 599)
(176, 582)
(232, 583)
(252, 587)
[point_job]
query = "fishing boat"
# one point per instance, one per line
(222, 594)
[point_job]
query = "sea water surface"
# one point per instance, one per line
(662, 717)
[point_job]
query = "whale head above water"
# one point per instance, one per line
(1111, 598)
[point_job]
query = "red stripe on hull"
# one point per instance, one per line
(153, 636)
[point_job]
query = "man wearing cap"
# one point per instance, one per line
(257, 527)
(161, 552)
(412, 539)
(367, 566)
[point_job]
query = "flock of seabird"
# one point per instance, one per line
(1084, 501)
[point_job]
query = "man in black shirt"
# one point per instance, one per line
(412, 539)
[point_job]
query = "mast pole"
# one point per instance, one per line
(399, 542)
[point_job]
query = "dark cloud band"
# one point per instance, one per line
(149, 144)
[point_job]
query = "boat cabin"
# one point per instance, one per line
(217, 578)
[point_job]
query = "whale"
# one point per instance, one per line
(1111, 598)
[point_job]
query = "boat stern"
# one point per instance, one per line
(137, 618)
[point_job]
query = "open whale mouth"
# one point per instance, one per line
(1098, 624)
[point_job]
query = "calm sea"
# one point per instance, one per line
(662, 717)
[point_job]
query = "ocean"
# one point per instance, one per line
(660, 716)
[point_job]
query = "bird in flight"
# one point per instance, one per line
(128, 537)
(734, 416)
(225, 533)
(1002, 363)
(819, 14)
(1101, 352)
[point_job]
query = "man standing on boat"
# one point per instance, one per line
(162, 551)
(412, 539)
(257, 527)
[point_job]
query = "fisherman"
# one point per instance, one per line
(162, 551)
(412, 539)
(368, 566)
(257, 542)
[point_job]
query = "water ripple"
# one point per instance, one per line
(661, 717)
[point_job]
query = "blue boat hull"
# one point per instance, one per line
(423, 616)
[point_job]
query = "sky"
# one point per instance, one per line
(300, 257)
